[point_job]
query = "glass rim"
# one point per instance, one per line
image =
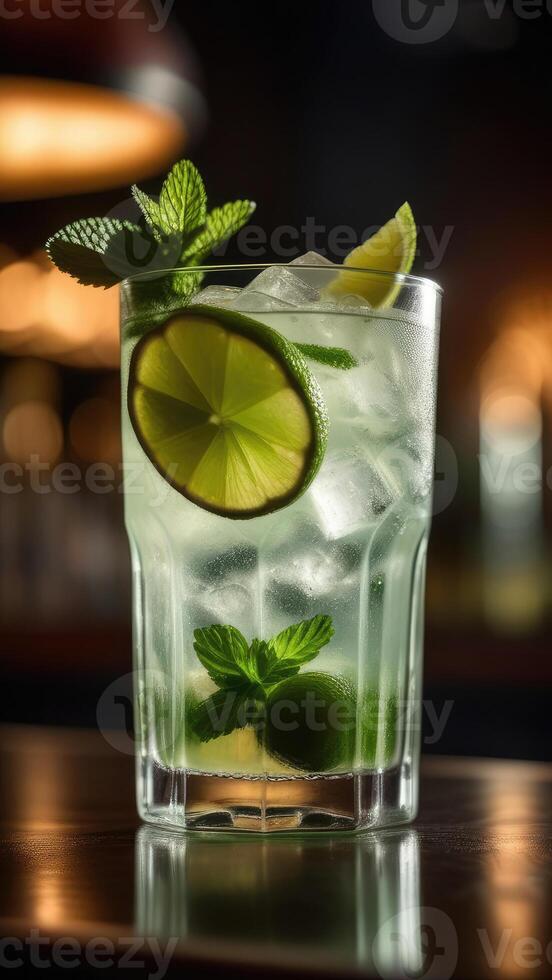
(398, 277)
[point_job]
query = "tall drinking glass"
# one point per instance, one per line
(332, 743)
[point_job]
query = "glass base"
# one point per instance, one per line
(187, 800)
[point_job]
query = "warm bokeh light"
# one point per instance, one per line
(46, 313)
(515, 380)
(511, 420)
(62, 138)
(520, 357)
(514, 910)
(32, 431)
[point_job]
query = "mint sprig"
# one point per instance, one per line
(176, 230)
(246, 672)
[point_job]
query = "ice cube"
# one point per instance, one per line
(216, 566)
(312, 277)
(250, 301)
(379, 398)
(325, 569)
(352, 491)
(301, 568)
(229, 605)
(353, 301)
(217, 295)
(381, 348)
(362, 404)
(377, 401)
(312, 258)
(276, 288)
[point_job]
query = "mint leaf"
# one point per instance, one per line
(183, 201)
(85, 265)
(336, 357)
(220, 224)
(94, 251)
(278, 670)
(225, 654)
(150, 210)
(131, 252)
(251, 662)
(295, 646)
(92, 233)
(260, 660)
(246, 673)
(176, 231)
(233, 663)
(224, 712)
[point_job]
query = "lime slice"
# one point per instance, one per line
(227, 411)
(310, 722)
(392, 249)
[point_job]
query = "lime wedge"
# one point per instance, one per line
(227, 411)
(392, 249)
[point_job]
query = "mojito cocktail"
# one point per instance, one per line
(279, 564)
(278, 437)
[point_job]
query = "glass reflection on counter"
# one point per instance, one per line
(318, 900)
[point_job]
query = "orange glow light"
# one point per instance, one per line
(62, 138)
(46, 313)
(33, 429)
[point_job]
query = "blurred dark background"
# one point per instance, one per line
(319, 112)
